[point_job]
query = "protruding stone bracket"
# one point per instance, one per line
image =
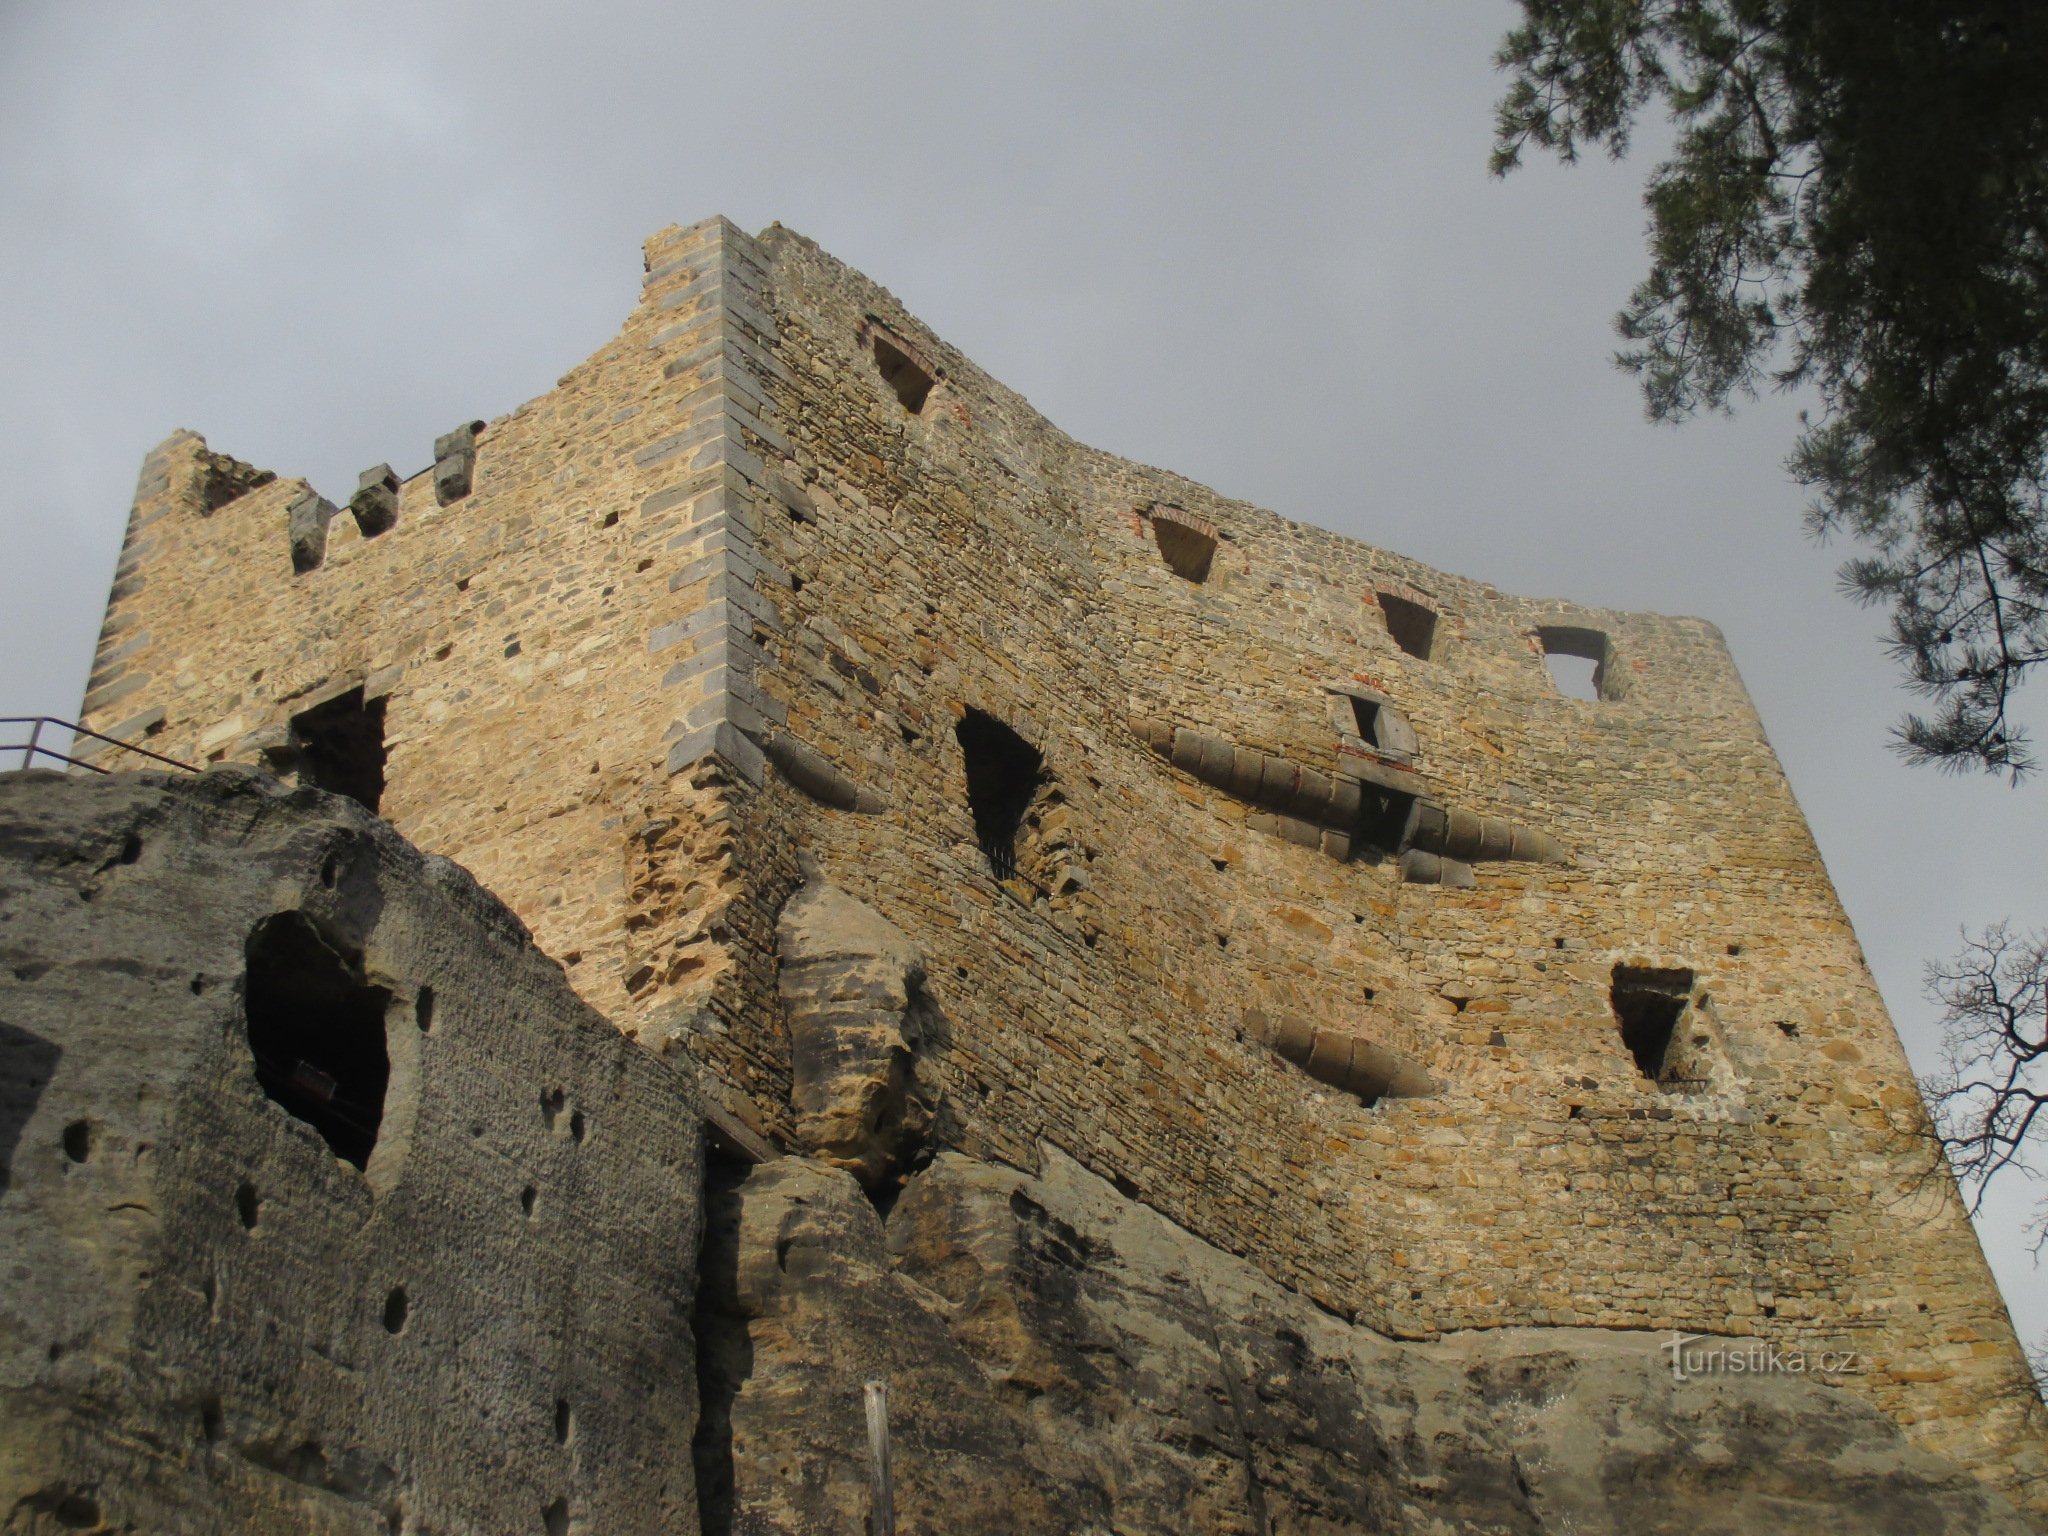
(815, 774)
(306, 523)
(375, 503)
(1421, 868)
(455, 462)
(1347, 1062)
(1375, 803)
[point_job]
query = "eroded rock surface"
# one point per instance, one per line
(326, 1205)
(1061, 1359)
(852, 983)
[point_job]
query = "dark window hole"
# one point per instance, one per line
(1788, 1029)
(198, 985)
(527, 1197)
(796, 582)
(1187, 547)
(248, 1206)
(1411, 626)
(330, 867)
(1734, 949)
(903, 374)
(1002, 776)
(565, 1421)
(555, 1518)
(423, 1010)
(577, 1125)
(316, 1030)
(396, 1306)
(78, 1139)
(611, 520)
(212, 1422)
(1221, 865)
(340, 747)
(1648, 1001)
(131, 848)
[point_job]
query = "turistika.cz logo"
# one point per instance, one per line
(1696, 1354)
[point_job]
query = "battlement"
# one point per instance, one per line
(1267, 874)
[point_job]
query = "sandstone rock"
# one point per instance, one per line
(1062, 1359)
(851, 981)
(443, 1285)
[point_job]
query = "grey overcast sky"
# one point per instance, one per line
(1257, 245)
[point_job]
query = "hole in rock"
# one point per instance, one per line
(78, 1141)
(316, 1030)
(423, 1010)
(1648, 1001)
(1410, 625)
(396, 1305)
(564, 1421)
(341, 747)
(247, 1206)
(527, 1197)
(1002, 774)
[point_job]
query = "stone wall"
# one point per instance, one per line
(727, 597)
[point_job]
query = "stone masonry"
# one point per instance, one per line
(1261, 873)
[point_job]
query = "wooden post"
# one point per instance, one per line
(881, 1501)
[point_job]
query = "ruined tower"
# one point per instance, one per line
(1261, 873)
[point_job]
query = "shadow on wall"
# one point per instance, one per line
(27, 1062)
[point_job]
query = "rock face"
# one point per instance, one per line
(1062, 1359)
(325, 1204)
(852, 983)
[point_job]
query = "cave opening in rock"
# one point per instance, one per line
(1649, 1001)
(316, 1031)
(1002, 776)
(341, 747)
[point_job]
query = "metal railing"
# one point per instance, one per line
(33, 748)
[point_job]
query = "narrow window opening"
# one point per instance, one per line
(1579, 661)
(1648, 1002)
(316, 1030)
(341, 747)
(909, 379)
(1186, 543)
(1365, 719)
(1002, 774)
(1411, 626)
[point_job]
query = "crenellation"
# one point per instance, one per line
(1256, 870)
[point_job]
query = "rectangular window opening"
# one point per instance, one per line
(1579, 661)
(1002, 776)
(1186, 544)
(340, 747)
(1648, 1003)
(1411, 626)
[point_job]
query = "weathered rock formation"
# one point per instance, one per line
(852, 983)
(1062, 1359)
(325, 1205)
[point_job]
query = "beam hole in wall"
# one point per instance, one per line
(1186, 544)
(1578, 661)
(1648, 1002)
(247, 1206)
(1002, 775)
(396, 1306)
(78, 1140)
(1411, 626)
(316, 1031)
(909, 379)
(341, 747)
